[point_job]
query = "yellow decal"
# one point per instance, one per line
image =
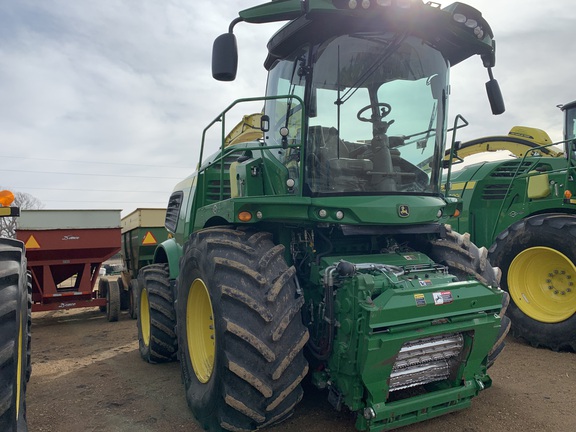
(31, 243)
(462, 185)
(420, 300)
(149, 239)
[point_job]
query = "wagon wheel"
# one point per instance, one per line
(113, 301)
(102, 291)
(133, 298)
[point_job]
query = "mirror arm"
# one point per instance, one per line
(233, 23)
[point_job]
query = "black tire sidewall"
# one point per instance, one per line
(162, 344)
(22, 314)
(133, 298)
(203, 398)
(18, 331)
(103, 293)
(124, 295)
(113, 301)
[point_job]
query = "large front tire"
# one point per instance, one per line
(537, 256)
(14, 335)
(464, 260)
(240, 332)
(156, 320)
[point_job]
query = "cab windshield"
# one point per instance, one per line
(375, 116)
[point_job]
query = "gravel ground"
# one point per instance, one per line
(88, 376)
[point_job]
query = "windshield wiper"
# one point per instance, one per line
(390, 49)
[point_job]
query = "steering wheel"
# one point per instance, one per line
(384, 111)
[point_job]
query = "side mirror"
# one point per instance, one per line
(225, 57)
(494, 93)
(495, 97)
(264, 123)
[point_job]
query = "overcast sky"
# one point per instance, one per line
(103, 103)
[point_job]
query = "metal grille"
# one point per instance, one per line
(173, 210)
(426, 360)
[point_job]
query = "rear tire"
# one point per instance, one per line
(240, 332)
(156, 316)
(464, 259)
(537, 256)
(15, 304)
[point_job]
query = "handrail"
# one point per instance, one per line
(226, 151)
(517, 175)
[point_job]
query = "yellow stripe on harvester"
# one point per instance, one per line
(462, 185)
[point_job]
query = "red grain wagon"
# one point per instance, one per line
(65, 250)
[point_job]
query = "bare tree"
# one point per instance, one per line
(24, 201)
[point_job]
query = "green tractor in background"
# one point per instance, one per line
(318, 246)
(524, 211)
(15, 325)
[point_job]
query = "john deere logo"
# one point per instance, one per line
(403, 211)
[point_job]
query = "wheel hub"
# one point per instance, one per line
(200, 331)
(144, 314)
(541, 283)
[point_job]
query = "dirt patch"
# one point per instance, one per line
(88, 376)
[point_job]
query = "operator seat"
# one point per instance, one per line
(330, 167)
(322, 146)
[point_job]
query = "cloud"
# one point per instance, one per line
(126, 85)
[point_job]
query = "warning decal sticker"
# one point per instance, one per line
(442, 297)
(31, 243)
(149, 239)
(420, 300)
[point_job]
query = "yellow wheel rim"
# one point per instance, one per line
(19, 367)
(144, 314)
(542, 282)
(200, 331)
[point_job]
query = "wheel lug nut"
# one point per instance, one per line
(548, 280)
(568, 289)
(562, 272)
(550, 274)
(563, 293)
(555, 271)
(556, 291)
(550, 287)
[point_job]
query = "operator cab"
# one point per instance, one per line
(357, 98)
(375, 118)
